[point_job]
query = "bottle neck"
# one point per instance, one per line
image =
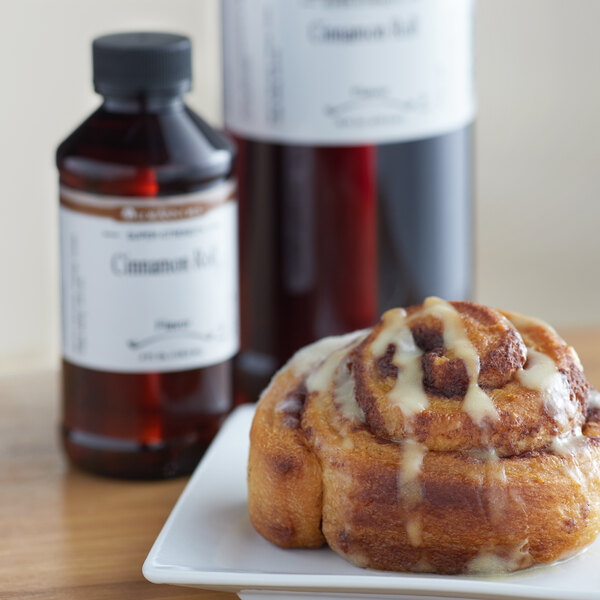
(144, 103)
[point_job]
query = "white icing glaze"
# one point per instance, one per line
(410, 489)
(498, 495)
(575, 357)
(594, 399)
(414, 530)
(486, 563)
(355, 557)
(542, 375)
(409, 396)
(568, 445)
(308, 357)
(323, 358)
(321, 378)
(523, 322)
(289, 404)
(423, 566)
(347, 443)
(412, 459)
(578, 460)
(345, 398)
(494, 465)
(489, 563)
(332, 373)
(477, 404)
(579, 463)
(394, 322)
(407, 393)
(330, 354)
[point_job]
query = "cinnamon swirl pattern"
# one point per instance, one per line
(450, 438)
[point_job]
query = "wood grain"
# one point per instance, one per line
(64, 533)
(67, 534)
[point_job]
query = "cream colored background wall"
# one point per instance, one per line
(538, 146)
(538, 158)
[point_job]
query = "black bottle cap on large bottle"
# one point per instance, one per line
(142, 63)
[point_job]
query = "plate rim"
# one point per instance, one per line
(399, 584)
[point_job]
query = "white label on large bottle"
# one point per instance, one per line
(342, 72)
(149, 284)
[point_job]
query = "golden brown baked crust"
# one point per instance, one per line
(450, 438)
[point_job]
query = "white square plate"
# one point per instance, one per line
(208, 542)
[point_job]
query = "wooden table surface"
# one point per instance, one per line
(69, 535)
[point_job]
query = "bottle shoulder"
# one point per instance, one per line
(176, 147)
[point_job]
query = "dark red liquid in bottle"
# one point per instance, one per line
(348, 133)
(143, 425)
(307, 251)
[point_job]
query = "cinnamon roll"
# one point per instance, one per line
(449, 438)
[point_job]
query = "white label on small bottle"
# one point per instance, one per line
(149, 284)
(343, 72)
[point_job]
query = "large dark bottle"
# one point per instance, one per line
(149, 267)
(353, 122)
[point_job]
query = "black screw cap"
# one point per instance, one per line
(142, 63)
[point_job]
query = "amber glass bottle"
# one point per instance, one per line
(149, 267)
